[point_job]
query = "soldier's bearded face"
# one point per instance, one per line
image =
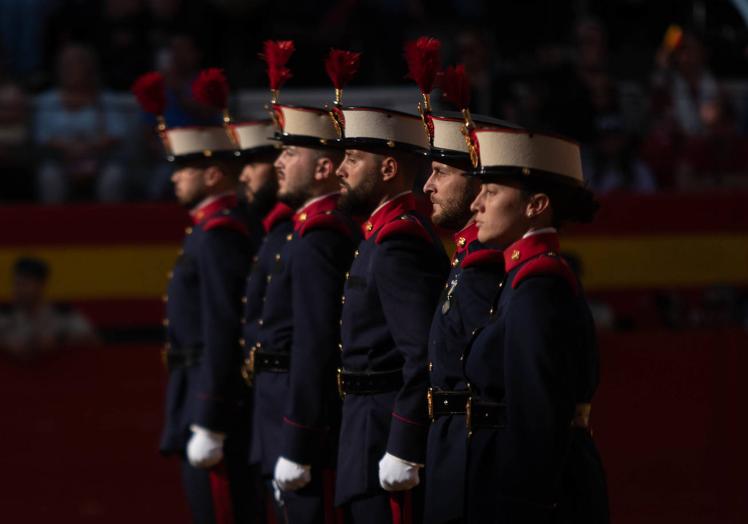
(295, 168)
(189, 186)
(451, 193)
(259, 182)
(500, 214)
(359, 173)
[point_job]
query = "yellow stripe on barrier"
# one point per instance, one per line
(608, 263)
(84, 272)
(660, 261)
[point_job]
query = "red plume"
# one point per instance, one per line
(211, 88)
(276, 54)
(423, 60)
(150, 91)
(455, 85)
(341, 66)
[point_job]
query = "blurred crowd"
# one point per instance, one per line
(31, 325)
(654, 110)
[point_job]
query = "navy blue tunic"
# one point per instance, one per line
(300, 318)
(538, 358)
(203, 310)
(464, 306)
(268, 323)
(389, 300)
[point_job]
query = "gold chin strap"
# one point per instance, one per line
(582, 416)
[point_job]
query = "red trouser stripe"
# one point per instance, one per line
(401, 505)
(219, 488)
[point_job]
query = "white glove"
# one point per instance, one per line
(277, 493)
(290, 476)
(396, 474)
(205, 448)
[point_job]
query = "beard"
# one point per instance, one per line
(294, 198)
(455, 213)
(191, 201)
(358, 201)
(265, 197)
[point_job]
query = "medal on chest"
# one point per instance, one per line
(448, 301)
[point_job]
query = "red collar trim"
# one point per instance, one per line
(279, 213)
(319, 206)
(205, 211)
(388, 212)
(464, 237)
(530, 247)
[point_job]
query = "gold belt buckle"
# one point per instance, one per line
(582, 416)
(430, 402)
(248, 368)
(339, 379)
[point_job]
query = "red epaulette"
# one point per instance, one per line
(544, 265)
(226, 222)
(405, 225)
(327, 220)
(483, 257)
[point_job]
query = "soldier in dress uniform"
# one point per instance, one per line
(204, 395)
(389, 299)
(259, 183)
(295, 350)
(464, 305)
(533, 369)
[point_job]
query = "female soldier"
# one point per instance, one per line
(532, 370)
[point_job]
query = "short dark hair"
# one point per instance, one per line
(31, 267)
(569, 203)
(333, 153)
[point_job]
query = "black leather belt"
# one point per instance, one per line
(269, 361)
(444, 403)
(369, 383)
(272, 362)
(484, 415)
(182, 357)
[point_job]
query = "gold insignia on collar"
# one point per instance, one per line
(461, 241)
(303, 216)
(515, 254)
(369, 226)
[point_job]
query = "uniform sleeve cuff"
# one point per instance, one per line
(301, 444)
(407, 440)
(212, 414)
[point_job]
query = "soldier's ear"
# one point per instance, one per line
(536, 205)
(324, 169)
(389, 168)
(212, 175)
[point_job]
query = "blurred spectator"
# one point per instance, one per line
(717, 157)
(474, 51)
(77, 126)
(32, 325)
(577, 88)
(683, 82)
(180, 63)
(121, 42)
(197, 18)
(612, 164)
(15, 157)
